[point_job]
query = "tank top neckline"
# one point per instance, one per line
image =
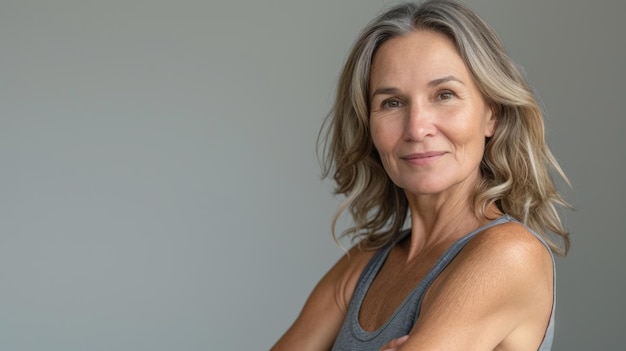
(373, 268)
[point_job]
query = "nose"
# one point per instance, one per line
(419, 123)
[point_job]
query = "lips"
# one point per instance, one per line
(423, 158)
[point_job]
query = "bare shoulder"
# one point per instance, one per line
(345, 274)
(507, 254)
(508, 251)
(510, 244)
(500, 284)
(322, 315)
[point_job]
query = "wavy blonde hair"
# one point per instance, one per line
(517, 163)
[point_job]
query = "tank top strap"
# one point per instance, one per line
(352, 337)
(413, 301)
(417, 295)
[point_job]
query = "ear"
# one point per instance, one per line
(490, 122)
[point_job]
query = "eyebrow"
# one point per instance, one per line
(446, 79)
(432, 83)
(384, 91)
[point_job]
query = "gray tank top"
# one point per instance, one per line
(352, 337)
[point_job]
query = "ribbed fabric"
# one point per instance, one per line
(353, 338)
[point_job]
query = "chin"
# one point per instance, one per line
(424, 188)
(430, 186)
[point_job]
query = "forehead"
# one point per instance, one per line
(422, 54)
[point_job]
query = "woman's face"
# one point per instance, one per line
(428, 119)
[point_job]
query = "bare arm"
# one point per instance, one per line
(323, 313)
(497, 294)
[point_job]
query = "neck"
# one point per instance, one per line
(441, 220)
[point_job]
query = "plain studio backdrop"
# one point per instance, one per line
(159, 187)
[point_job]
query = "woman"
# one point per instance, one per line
(434, 121)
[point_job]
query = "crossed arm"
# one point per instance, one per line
(495, 295)
(317, 326)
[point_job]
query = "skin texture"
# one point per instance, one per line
(428, 123)
(428, 119)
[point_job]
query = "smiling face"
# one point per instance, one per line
(428, 118)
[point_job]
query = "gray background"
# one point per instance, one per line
(159, 187)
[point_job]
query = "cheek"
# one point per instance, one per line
(383, 144)
(469, 128)
(377, 139)
(383, 137)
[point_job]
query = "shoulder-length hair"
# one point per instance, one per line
(517, 163)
